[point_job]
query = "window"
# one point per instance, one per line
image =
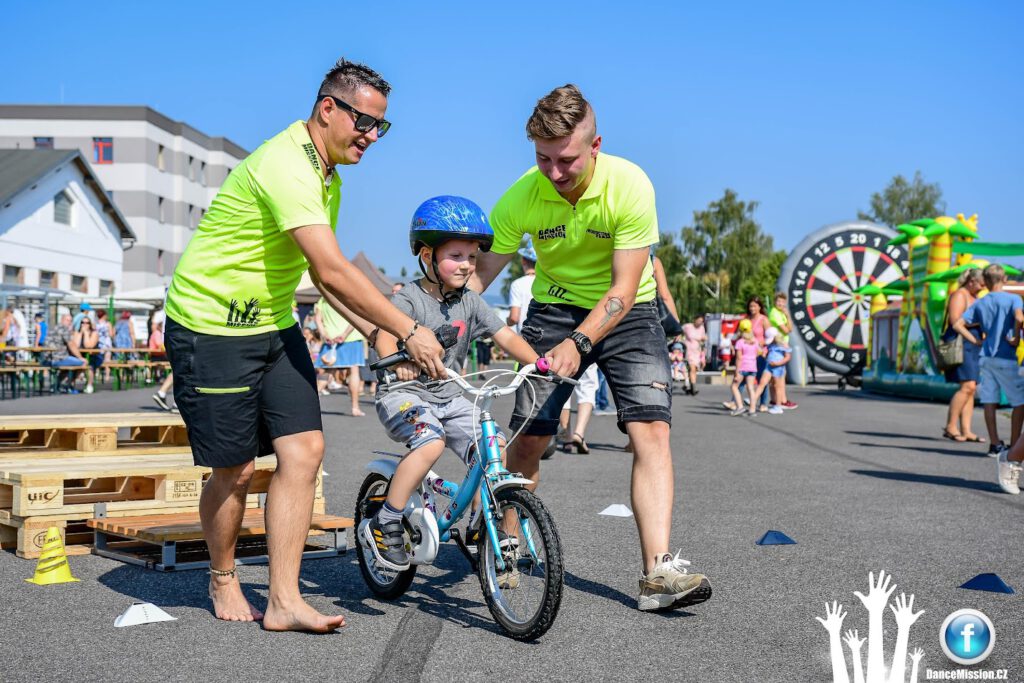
(160, 157)
(62, 204)
(106, 287)
(79, 283)
(43, 143)
(190, 218)
(103, 150)
(13, 275)
(191, 168)
(202, 173)
(47, 278)
(160, 210)
(160, 262)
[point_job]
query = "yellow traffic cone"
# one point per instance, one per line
(53, 562)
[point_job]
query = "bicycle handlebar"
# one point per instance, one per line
(540, 369)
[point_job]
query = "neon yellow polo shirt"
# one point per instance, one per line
(574, 244)
(239, 272)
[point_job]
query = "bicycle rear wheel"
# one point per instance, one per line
(524, 597)
(385, 583)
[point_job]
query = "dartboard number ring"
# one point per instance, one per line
(829, 317)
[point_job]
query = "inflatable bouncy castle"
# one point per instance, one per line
(908, 314)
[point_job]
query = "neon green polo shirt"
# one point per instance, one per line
(239, 272)
(335, 323)
(574, 244)
(777, 318)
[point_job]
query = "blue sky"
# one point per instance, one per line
(807, 108)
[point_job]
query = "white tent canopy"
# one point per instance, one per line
(148, 294)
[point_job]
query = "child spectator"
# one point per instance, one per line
(747, 353)
(678, 362)
(774, 377)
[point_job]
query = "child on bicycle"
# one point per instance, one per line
(445, 236)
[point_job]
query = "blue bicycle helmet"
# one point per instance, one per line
(447, 217)
(527, 251)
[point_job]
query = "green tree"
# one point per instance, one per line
(901, 202)
(763, 282)
(723, 249)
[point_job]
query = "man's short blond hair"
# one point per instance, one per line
(994, 274)
(559, 113)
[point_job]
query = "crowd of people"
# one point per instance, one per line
(987, 330)
(760, 350)
(80, 345)
(248, 383)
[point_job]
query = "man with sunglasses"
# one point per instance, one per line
(592, 219)
(243, 379)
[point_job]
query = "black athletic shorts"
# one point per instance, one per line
(237, 394)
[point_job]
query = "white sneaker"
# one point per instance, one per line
(334, 386)
(775, 410)
(88, 389)
(1008, 474)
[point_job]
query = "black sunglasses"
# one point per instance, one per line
(364, 122)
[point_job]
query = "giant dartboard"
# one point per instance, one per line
(830, 320)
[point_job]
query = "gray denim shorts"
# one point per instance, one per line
(633, 358)
(415, 422)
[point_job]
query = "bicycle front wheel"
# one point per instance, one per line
(385, 583)
(525, 595)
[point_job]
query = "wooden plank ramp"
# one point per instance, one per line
(91, 432)
(174, 542)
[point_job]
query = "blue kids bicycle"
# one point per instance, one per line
(518, 553)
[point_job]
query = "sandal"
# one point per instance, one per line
(580, 443)
(959, 438)
(973, 438)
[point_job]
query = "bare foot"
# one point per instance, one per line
(228, 602)
(358, 413)
(299, 616)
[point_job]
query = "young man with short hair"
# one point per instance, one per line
(1000, 315)
(592, 219)
(243, 378)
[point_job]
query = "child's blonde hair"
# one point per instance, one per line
(748, 336)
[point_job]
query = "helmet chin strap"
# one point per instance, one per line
(452, 295)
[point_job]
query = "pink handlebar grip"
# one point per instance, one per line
(543, 365)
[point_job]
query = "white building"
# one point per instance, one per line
(162, 174)
(59, 228)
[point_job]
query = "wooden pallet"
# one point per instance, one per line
(91, 432)
(71, 486)
(25, 536)
(172, 542)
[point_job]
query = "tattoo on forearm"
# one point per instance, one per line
(612, 309)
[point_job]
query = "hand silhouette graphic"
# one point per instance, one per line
(854, 642)
(833, 623)
(905, 618)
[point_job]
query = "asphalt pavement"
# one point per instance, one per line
(861, 483)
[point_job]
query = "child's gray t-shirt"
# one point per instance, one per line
(470, 315)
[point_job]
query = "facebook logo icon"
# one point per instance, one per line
(967, 636)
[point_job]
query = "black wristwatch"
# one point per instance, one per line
(582, 341)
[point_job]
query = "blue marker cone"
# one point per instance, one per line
(776, 538)
(988, 582)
